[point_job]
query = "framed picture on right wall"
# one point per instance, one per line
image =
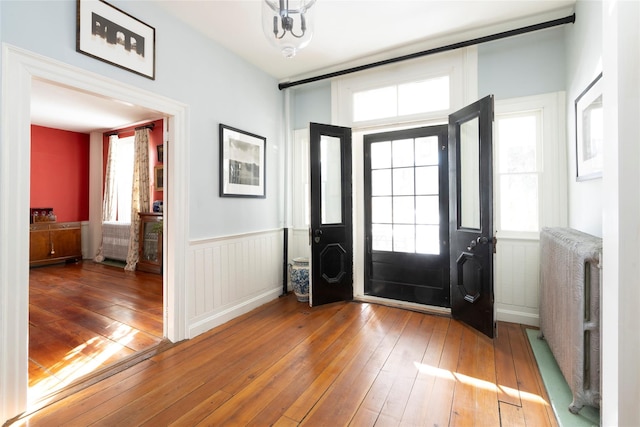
(589, 131)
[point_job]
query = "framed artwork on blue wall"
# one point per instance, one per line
(242, 163)
(589, 131)
(107, 33)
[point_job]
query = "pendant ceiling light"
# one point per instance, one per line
(287, 24)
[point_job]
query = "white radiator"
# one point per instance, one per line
(115, 240)
(570, 273)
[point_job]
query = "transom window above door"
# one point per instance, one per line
(405, 198)
(405, 99)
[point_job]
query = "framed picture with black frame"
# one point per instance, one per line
(242, 163)
(589, 131)
(159, 177)
(107, 33)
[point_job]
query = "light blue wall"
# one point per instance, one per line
(311, 103)
(528, 64)
(584, 63)
(218, 87)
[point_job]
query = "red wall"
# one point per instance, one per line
(155, 138)
(60, 172)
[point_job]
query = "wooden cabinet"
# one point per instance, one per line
(150, 243)
(54, 242)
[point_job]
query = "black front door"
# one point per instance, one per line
(471, 215)
(406, 195)
(331, 214)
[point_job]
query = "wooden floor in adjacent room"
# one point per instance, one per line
(357, 364)
(85, 316)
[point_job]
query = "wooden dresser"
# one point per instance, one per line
(150, 243)
(53, 242)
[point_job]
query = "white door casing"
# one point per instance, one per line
(19, 68)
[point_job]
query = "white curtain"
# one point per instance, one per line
(139, 193)
(109, 197)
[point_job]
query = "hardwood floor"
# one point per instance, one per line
(85, 316)
(286, 364)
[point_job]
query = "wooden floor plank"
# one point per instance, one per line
(243, 407)
(70, 338)
(505, 369)
(463, 409)
(63, 412)
(441, 402)
(475, 396)
(342, 398)
(418, 405)
(385, 331)
(344, 349)
(511, 415)
(189, 373)
(356, 340)
(537, 410)
(287, 364)
(487, 409)
(390, 392)
(231, 367)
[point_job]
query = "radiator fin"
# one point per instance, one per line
(570, 273)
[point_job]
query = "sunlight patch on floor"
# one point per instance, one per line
(477, 383)
(76, 364)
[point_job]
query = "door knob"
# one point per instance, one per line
(480, 240)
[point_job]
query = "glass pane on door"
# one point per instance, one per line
(331, 175)
(404, 194)
(470, 174)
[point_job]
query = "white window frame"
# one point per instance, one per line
(538, 171)
(460, 65)
(550, 157)
(516, 263)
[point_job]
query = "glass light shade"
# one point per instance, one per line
(288, 24)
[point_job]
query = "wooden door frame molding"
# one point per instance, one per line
(19, 68)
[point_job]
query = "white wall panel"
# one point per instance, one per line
(517, 276)
(517, 260)
(229, 276)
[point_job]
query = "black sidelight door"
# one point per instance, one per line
(471, 215)
(331, 214)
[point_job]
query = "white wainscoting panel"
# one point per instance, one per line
(298, 246)
(229, 276)
(517, 280)
(299, 243)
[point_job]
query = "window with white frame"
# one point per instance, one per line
(405, 99)
(124, 159)
(529, 165)
(518, 147)
(422, 90)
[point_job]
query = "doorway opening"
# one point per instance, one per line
(406, 198)
(394, 190)
(21, 68)
(86, 317)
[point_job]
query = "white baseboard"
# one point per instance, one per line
(513, 316)
(229, 313)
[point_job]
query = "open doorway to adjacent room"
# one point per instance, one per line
(85, 316)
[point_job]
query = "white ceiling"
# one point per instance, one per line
(346, 33)
(60, 107)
